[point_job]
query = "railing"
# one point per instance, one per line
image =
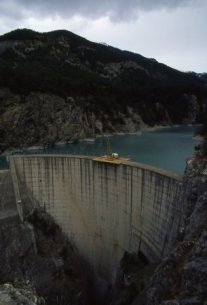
(4, 164)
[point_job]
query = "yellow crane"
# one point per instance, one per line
(110, 157)
(109, 149)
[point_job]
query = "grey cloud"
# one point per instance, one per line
(10, 10)
(114, 9)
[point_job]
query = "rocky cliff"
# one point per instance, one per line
(40, 118)
(39, 266)
(58, 86)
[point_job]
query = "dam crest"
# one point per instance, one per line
(104, 209)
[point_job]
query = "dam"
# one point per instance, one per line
(104, 209)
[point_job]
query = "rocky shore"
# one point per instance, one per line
(43, 119)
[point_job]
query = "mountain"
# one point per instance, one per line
(58, 86)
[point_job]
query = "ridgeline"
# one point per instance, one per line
(58, 86)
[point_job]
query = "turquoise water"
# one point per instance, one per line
(166, 148)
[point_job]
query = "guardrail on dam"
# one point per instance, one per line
(105, 209)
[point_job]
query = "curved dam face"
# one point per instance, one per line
(104, 209)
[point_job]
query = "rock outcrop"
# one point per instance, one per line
(44, 119)
(39, 266)
(23, 294)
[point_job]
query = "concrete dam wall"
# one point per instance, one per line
(104, 209)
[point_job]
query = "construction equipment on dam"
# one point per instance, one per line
(111, 157)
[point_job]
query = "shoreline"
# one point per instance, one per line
(157, 127)
(93, 139)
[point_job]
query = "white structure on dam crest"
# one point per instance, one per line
(104, 209)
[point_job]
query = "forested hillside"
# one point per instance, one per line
(57, 86)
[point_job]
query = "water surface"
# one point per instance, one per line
(165, 148)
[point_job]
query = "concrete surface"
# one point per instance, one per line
(104, 209)
(7, 198)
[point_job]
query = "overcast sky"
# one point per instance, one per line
(172, 31)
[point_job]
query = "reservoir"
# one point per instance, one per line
(165, 148)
